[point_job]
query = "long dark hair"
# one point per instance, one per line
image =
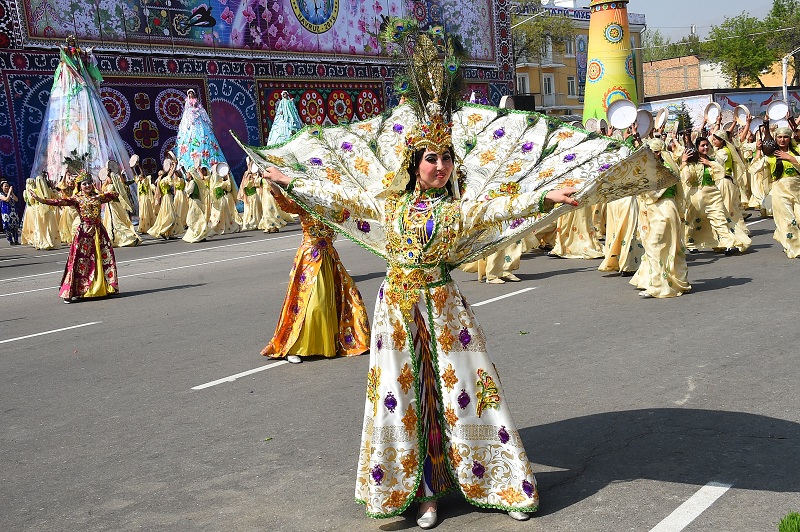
(413, 165)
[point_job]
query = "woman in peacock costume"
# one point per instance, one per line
(75, 121)
(429, 187)
(196, 144)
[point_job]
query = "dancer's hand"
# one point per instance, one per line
(276, 176)
(562, 195)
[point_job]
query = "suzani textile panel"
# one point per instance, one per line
(306, 26)
(326, 103)
(146, 107)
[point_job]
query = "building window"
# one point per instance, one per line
(569, 47)
(547, 84)
(571, 86)
(522, 84)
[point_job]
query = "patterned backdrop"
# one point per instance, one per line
(326, 103)
(145, 83)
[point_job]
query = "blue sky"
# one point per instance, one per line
(674, 17)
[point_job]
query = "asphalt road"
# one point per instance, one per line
(629, 408)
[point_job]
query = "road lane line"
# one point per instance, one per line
(756, 222)
(238, 375)
(157, 257)
(692, 508)
(23, 257)
(50, 332)
(207, 263)
(498, 298)
(161, 271)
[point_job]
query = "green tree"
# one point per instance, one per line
(538, 36)
(656, 46)
(785, 15)
(742, 53)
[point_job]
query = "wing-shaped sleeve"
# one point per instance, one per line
(355, 213)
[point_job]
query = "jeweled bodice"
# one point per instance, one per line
(88, 208)
(420, 230)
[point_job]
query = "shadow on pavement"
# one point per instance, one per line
(676, 445)
(716, 283)
(134, 293)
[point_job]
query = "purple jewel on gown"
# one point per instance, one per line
(477, 469)
(377, 474)
(390, 402)
(463, 399)
(503, 434)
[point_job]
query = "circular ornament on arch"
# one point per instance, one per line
(169, 107)
(312, 107)
(116, 105)
(340, 107)
(368, 104)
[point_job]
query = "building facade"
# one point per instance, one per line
(556, 84)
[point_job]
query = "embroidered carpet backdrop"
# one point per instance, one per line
(236, 53)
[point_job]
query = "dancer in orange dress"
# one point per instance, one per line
(323, 313)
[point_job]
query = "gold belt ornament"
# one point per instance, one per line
(403, 285)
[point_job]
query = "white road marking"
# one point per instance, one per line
(242, 374)
(756, 222)
(50, 332)
(207, 263)
(164, 270)
(498, 298)
(692, 508)
(23, 257)
(157, 257)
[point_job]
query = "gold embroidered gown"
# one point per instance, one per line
(91, 269)
(435, 419)
(435, 404)
(323, 313)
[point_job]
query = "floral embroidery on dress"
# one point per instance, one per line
(511, 495)
(410, 462)
(488, 396)
(446, 339)
(406, 378)
(450, 415)
(373, 381)
(410, 419)
(396, 499)
(333, 175)
(449, 378)
(455, 456)
(398, 335)
(473, 491)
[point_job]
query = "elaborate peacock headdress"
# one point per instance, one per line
(429, 80)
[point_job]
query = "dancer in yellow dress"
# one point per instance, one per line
(784, 167)
(166, 224)
(323, 313)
